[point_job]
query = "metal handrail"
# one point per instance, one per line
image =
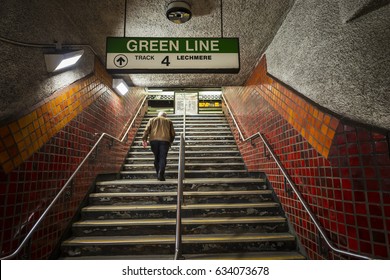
(38, 222)
(180, 179)
(293, 186)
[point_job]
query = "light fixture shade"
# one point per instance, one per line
(58, 61)
(120, 86)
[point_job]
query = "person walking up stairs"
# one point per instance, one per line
(161, 134)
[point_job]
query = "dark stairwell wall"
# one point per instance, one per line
(50, 121)
(320, 95)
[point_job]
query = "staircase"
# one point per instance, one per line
(227, 213)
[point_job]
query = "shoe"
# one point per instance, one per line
(160, 176)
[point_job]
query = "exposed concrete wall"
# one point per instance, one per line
(24, 81)
(344, 67)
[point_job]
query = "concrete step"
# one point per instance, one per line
(204, 166)
(167, 226)
(190, 184)
(198, 148)
(188, 160)
(192, 197)
(141, 153)
(194, 121)
(197, 132)
(172, 174)
(140, 211)
(164, 244)
(200, 142)
(278, 255)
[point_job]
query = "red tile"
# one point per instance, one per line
(381, 147)
(375, 210)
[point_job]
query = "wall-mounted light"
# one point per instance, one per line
(58, 61)
(120, 86)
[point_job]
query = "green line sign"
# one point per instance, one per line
(172, 55)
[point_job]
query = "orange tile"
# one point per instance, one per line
(334, 123)
(27, 141)
(9, 141)
(324, 129)
(331, 133)
(17, 160)
(4, 131)
(8, 166)
(327, 119)
(315, 113)
(25, 155)
(31, 150)
(328, 142)
(4, 156)
(18, 136)
(320, 149)
(325, 152)
(14, 127)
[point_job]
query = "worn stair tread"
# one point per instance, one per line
(196, 146)
(189, 158)
(268, 255)
(171, 207)
(186, 181)
(170, 239)
(176, 152)
(185, 171)
(195, 193)
(185, 221)
(274, 255)
(175, 164)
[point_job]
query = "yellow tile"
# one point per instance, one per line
(24, 121)
(21, 145)
(36, 124)
(31, 128)
(41, 121)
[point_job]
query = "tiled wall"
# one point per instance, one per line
(41, 150)
(342, 169)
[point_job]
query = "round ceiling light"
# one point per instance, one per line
(179, 12)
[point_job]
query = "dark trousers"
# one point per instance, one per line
(160, 151)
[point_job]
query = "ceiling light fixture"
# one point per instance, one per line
(179, 12)
(120, 86)
(61, 60)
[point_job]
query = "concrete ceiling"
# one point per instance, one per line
(254, 22)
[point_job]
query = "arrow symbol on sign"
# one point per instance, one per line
(121, 60)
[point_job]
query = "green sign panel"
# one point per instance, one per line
(172, 55)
